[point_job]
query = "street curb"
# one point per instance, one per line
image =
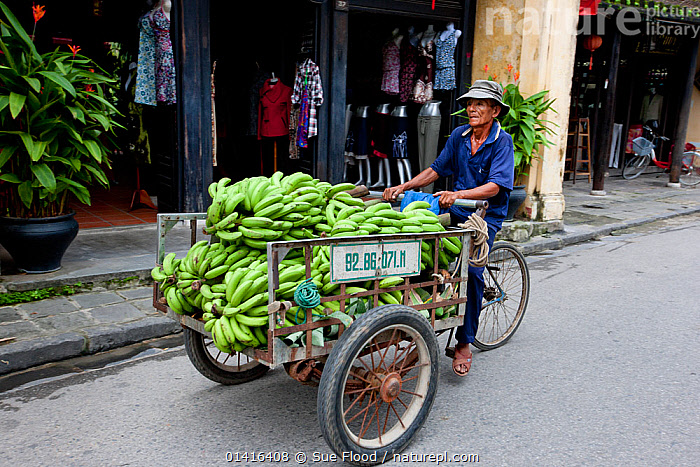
(96, 280)
(25, 354)
(557, 243)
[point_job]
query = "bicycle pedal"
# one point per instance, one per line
(450, 352)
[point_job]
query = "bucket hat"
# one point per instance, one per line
(484, 89)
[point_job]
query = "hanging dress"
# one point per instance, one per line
(391, 67)
(145, 90)
(409, 63)
(165, 61)
(445, 63)
(423, 90)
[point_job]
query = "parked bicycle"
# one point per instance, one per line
(644, 154)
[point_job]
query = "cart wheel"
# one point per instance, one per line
(506, 292)
(218, 366)
(378, 385)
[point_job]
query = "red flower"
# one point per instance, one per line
(89, 88)
(517, 75)
(75, 49)
(39, 11)
(509, 68)
(486, 68)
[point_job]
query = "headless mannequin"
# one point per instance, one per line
(430, 109)
(345, 167)
(166, 5)
(396, 37)
(363, 164)
(427, 36)
(413, 37)
(383, 163)
(403, 165)
(450, 29)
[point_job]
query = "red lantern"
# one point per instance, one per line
(592, 43)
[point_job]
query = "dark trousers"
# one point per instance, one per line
(475, 288)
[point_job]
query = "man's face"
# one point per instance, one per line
(481, 111)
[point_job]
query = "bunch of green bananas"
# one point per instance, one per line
(227, 281)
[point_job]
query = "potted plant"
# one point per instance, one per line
(527, 129)
(55, 123)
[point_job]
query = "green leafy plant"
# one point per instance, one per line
(55, 125)
(524, 123)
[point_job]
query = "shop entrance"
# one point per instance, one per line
(247, 48)
(399, 100)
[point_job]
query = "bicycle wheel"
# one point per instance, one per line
(506, 293)
(635, 166)
(220, 367)
(690, 168)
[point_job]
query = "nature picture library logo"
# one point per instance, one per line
(659, 20)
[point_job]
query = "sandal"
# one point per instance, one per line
(457, 361)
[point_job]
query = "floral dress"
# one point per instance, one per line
(392, 66)
(165, 61)
(145, 91)
(445, 63)
(409, 58)
(423, 90)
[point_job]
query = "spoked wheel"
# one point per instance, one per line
(506, 292)
(378, 384)
(635, 166)
(690, 168)
(219, 366)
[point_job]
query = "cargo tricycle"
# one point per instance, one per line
(376, 366)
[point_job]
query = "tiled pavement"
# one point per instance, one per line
(60, 327)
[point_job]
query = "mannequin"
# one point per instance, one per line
(400, 147)
(391, 64)
(362, 144)
(349, 142)
(425, 71)
(165, 61)
(445, 46)
(396, 37)
(429, 121)
(167, 6)
(428, 35)
(382, 144)
(450, 29)
(413, 37)
(651, 107)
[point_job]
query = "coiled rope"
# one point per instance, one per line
(479, 257)
(306, 296)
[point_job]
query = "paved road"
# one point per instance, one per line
(603, 371)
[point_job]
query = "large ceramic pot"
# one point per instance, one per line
(517, 198)
(38, 245)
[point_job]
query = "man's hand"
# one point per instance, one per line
(447, 198)
(391, 193)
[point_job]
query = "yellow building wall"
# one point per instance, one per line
(694, 124)
(538, 38)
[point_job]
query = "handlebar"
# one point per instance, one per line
(655, 134)
(467, 203)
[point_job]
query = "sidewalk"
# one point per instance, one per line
(113, 266)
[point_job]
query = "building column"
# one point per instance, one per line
(547, 62)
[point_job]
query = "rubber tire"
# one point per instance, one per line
(692, 178)
(630, 173)
(523, 301)
(339, 361)
(199, 356)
